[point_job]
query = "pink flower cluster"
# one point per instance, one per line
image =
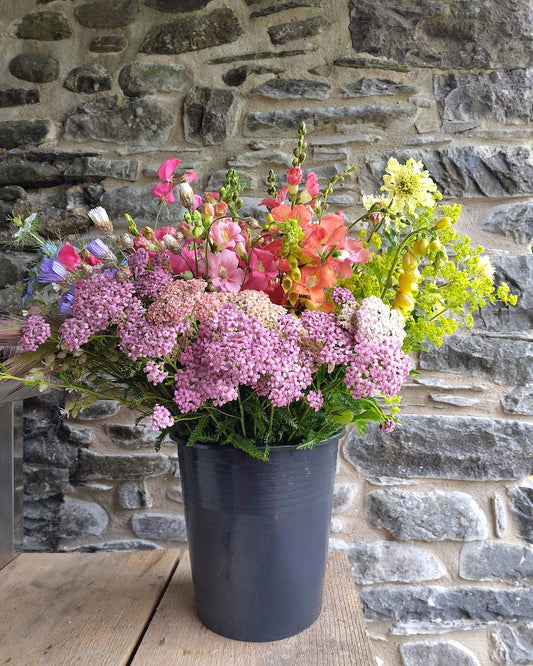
(35, 331)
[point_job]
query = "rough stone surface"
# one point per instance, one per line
(446, 447)
(107, 15)
(99, 409)
(519, 400)
(361, 62)
(483, 356)
(138, 466)
(88, 79)
(159, 526)
(517, 272)
(89, 168)
(285, 33)
(455, 400)
(14, 133)
(438, 603)
(112, 546)
(514, 220)
(136, 121)
(221, 26)
(131, 436)
(437, 653)
(386, 561)
(512, 644)
(41, 481)
(343, 497)
(78, 434)
(367, 86)
(108, 44)
(177, 6)
(19, 96)
(238, 75)
(41, 523)
(175, 494)
(427, 516)
(522, 508)
(137, 79)
(463, 171)
(44, 26)
(491, 560)
(138, 202)
(35, 67)
(134, 496)
(80, 518)
(210, 115)
(474, 35)
(500, 515)
(289, 120)
(496, 95)
(292, 89)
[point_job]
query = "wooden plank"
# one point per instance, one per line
(337, 638)
(67, 609)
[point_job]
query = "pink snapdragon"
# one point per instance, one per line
(224, 271)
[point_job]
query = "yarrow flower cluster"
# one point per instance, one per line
(255, 334)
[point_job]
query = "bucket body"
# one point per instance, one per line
(258, 536)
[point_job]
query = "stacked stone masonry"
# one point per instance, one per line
(436, 518)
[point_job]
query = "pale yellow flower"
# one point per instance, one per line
(408, 185)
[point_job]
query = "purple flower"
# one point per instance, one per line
(35, 331)
(51, 270)
(65, 303)
(98, 248)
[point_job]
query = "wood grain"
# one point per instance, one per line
(67, 609)
(337, 638)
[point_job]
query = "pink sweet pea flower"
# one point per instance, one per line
(69, 256)
(163, 191)
(226, 233)
(168, 167)
(224, 271)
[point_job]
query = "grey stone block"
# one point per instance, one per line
(462, 171)
(99, 410)
(369, 86)
(210, 115)
(453, 35)
(107, 15)
(112, 546)
(512, 220)
(285, 33)
(80, 518)
(136, 121)
(386, 561)
(137, 79)
(519, 400)
(484, 356)
(44, 26)
(522, 508)
(88, 79)
(343, 497)
(437, 653)
(19, 96)
(134, 496)
(131, 436)
(512, 644)
(221, 26)
(292, 89)
(485, 96)
(35, 67)
(14, 133)
(428, 516)
(168, 527)
(432, 603)
(492, 560)
(446, 447)
(133, 467)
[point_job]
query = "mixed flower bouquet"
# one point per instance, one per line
(223, 329)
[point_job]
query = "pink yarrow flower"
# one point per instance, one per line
(161, 418)
(35, 331)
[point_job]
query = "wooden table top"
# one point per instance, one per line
(136, 608)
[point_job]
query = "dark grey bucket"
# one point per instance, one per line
(258, 536)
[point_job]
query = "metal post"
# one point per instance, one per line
(11, 482)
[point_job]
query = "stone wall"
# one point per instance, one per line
(437, 517)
